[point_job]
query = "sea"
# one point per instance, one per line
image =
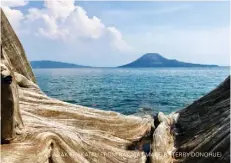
(127, 90)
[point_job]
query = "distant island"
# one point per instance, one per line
(156, 60)
(54, 64)
(146, 61)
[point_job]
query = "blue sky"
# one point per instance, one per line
(115, 33)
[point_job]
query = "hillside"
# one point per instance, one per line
(156, 60)
(53, 64)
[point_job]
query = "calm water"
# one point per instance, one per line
(127, 90)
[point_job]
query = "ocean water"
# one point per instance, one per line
(125, 90)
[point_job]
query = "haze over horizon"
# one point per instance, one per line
(148, 58)
(110, 34)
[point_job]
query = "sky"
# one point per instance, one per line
(107, 34)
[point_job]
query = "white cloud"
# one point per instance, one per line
(63, 20)
(13, 3)
(14, 16)
(59, 8)
(117, 39)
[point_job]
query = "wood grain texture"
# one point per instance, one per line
(55, 131)
(204, 126)
(14, 50)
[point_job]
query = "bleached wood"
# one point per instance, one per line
(55, 131)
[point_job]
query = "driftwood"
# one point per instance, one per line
(163, 139)
(199, 133)
(37, 128)
(55, 131)
(204, 127)
(10, 114)
(12, 47)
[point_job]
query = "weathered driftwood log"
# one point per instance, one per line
(8, 105)
(10, 114)
(199, 133)
(14, 50)
(204, 128)
(63, 132)
(163, 138)
(55, 131)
